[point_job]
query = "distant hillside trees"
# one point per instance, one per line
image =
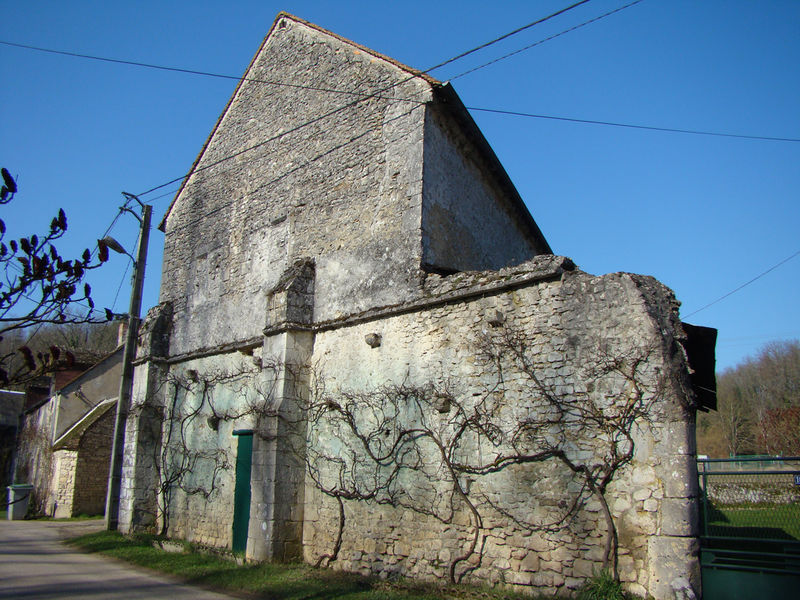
(758, 406)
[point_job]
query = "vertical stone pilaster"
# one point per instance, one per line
(138, 509)
(278, 471)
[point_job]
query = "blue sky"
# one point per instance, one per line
(702, 214)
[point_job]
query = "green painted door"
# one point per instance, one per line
(241, 494)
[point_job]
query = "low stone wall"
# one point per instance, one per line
(753, 493)
(63, 483)
(567, 326)
(489, 429)
(91, 470)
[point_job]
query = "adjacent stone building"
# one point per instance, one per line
(65, 442)
(366, 355)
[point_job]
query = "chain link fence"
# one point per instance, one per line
(756, 498)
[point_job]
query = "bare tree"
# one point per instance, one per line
(756, 403)
(39, 286)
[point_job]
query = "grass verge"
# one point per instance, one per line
(273, 581)
(773, 521)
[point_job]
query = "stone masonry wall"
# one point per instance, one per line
(206, 401)
(318, 158)
(63, 483)
(35, 463)
(91, 470)
(467, 223)
(566, 320)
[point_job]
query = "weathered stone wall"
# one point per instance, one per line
(566, 320)
(468, 223)
(320, 158)
(63, 483)
(91, 470)
(334, 176)
(76, 398)
(138, 502)
(206, 400)
(35, 457)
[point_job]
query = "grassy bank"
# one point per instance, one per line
(263, 580)
(769, 522)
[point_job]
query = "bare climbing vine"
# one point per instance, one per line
(431, 448)
(192, 456)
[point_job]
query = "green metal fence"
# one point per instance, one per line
(750, 526)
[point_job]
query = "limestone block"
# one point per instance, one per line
(670, 558)
(573, 583)
(583, 568)
(643, 476)
(681, 479)
(636, 589)
(530, 562)
(620, 505)
(679, 517)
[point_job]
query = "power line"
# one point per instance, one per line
(744, 285)
(633, 126)
(134, 63)
(507, 35)
(547, 39)
(355, 102)
(270, 82)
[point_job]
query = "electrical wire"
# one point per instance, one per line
(633, 126)
(540, 42)
(270, 82)
(744, 285)
(507, 35)
(181, 69)
(366, 97)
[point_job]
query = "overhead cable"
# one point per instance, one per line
(358, 101)
(633, 126)
(506, 36)
(547, 39)
(744, 285)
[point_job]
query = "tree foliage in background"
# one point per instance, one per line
(758, 406)
(38, 287)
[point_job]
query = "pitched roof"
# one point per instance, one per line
(72, 436)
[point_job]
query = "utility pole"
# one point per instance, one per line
(126, 383)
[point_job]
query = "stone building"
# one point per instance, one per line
(366, 354)
(65, 441)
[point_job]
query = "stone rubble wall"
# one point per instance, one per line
(63, 483)
(91, 469)
(35, 461)
(467, 222)
(563, 316)
(204, 456)
(566, 317)
(376, 189)
(236, 226)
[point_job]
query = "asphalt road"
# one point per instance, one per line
(35, 564)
